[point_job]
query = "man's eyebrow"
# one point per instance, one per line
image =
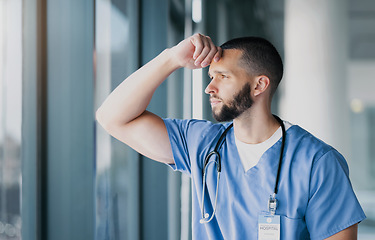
(219, 72)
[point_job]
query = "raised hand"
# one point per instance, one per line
(196, 51)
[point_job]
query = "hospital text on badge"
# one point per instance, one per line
(269, 227)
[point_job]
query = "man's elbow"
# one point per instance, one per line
(103, 120)
(110, 123)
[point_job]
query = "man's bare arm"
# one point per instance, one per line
(123, 114)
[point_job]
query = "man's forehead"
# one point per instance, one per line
(231, 52)
(227, 62)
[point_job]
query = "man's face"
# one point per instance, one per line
(234, 108)
(229, 89)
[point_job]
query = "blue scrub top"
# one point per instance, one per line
(315, 196)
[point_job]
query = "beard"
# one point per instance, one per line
(240, 103)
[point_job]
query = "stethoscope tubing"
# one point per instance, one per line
(205, 216)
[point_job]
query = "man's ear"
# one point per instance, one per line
(261, 84)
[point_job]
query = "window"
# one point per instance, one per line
(117, 185)
(10, 118)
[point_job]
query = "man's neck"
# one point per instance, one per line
(255, 126)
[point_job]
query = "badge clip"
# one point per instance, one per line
(272, 204)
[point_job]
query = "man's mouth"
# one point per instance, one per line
(214, 101)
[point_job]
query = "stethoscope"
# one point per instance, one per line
(272, 202)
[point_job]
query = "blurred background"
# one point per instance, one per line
(63, 177)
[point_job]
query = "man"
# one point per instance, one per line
(315, 198)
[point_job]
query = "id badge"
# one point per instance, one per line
(268, 227)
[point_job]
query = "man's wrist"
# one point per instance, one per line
(170, 59)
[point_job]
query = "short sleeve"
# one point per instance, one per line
(177, 133)
(332, 205)
(190, 140)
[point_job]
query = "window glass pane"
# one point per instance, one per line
(117, 166)
(10, 118)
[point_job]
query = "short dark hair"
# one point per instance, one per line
(260, 57)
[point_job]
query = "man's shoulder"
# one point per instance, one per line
(312, 152)
(306, 141)
(203, 127)
(195, 135)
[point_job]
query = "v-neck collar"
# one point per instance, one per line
(270, 157)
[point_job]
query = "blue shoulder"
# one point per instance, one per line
(303, 141)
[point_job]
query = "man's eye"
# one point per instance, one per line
(224, 76)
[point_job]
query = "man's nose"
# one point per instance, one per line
(211, 88)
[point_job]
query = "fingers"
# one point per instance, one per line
(198, 41)
(205, 50)
(218, 54)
